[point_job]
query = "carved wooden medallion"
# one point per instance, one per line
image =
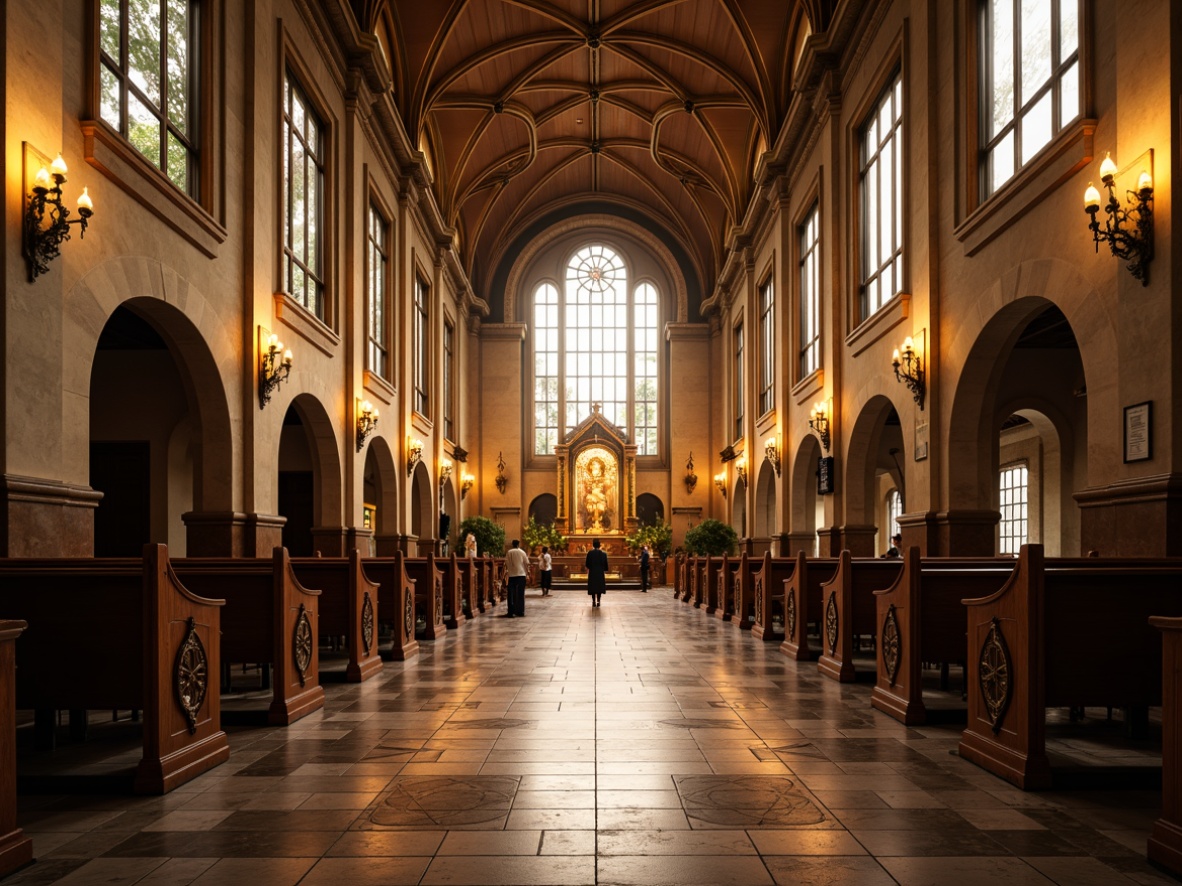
(409, 617)
(993, 672)
(367, 622)
(790, 604)
(302, 644)
(831, 623)
(191, 675)
(890, 644)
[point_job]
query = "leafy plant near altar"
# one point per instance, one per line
(536, 534)
(490, 536)
(711, 537)
(658, 537)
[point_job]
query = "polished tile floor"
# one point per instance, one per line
(642, 742)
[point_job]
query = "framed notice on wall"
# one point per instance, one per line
(1139, 432)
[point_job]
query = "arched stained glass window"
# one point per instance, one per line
(596, 342)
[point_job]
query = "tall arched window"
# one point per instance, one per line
(596, 342)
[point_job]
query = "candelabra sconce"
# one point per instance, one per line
(367, 421)
(274, 365)
(47, 221)
(771, 452)
(691, 479)
(1135, 242)
(467, 481)
(741, 469)
(502, 481)
(445, 469)
(414, 454)
(819, 422)
(720, 482)
(909, 369)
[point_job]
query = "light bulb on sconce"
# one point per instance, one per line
(819, 422)
(274, 365)
(47, 221)
(367, 421)
(908, 367)
(771, 452)
(414, 454)
(1127, 231)
(741, 469)
(720, 482)
(467, 481)
(445, 469)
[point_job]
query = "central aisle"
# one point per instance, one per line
(642, 742)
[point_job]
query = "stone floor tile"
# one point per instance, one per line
(366, 871)
(511, 871)
(684, 870)
(827, 871)
(653, 842)
(260, 871)
(970, 871)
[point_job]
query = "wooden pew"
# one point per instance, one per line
(428, 583)
(1060, 636)
(742, 591)
(693, 585)
(490, 581)
(348, 608)
(396, 602)
(470, 599)
(1165, 840)
(767, 588)
(122, 634)
(453, 592)
(802, 604)
(16, 850)
(848, 610)
(270, 618)
(920, 619)
(705, 591)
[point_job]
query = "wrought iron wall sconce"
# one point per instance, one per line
(720, 482)
(691, 479)
(771, 452)
(445, 469)
(414, 454)
(819, 422)
(1134, 243)
(274, 365)
(467, 481)
(43, 241)
(741, 469)
(367, 421)
(502, 481)
(909, 369)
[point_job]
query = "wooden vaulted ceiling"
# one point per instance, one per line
(531, 109)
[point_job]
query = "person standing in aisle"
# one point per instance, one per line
(545, 571)
(644, 565)
(516, 568)
(596, 573)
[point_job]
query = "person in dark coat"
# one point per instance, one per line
(644, 566)
(596, 573)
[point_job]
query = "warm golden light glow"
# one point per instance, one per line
(1144, 181)
(1091, 198)
(58, 166)
(84, 201)
(1107, 167)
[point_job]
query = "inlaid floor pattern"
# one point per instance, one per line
(643, 742)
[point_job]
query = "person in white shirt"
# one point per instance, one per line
(516, 568)
(546, 564)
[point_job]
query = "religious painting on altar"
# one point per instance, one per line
(596, 490)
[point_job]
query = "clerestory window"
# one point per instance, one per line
(148, 81)
(1030, 76)
(881, 187)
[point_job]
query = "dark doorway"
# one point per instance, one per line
(296, 494)
(121, 470)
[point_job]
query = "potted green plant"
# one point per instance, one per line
(490, 536)
(711, 537)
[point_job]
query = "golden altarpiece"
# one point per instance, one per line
(596, 483)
